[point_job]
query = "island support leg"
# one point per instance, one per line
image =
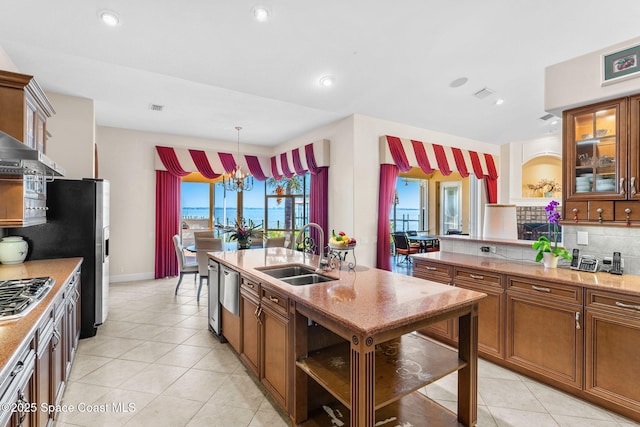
(299, 410)
(468, 376)
(362, 382)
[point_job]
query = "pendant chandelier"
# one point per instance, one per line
(237, 180)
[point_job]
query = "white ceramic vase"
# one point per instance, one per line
(13, 250)
(549, 260)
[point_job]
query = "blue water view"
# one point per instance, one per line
(408, 217)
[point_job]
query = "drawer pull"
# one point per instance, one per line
(538, 288)
(273, 299)
(474, 276)
(250, 285)
(631, 306)
(18, 369)
(577, 320)
(258, 316)
(430, 268)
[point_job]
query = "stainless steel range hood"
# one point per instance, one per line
(17, 158)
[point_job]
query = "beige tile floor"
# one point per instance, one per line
(155, 358)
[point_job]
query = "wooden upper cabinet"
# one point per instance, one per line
(601, 148)
(634, 147)
(595, 149)
(25, 109)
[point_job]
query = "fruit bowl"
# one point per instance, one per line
(341, 245)
(341, 241)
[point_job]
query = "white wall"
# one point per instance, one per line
(515, 154)
(578, 81)
(127, 160)
(355, 172)
(6, 63)
(72, 131)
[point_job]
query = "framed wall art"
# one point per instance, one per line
(621, 65)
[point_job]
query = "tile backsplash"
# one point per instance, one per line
(603, 241)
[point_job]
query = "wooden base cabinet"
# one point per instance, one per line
(441, 273)
(250, 354)
(612, 328)
(275, 360)
(544, 333)
(491, 310)
(275, 355)
(264, 317)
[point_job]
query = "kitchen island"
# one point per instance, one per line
(351, 357)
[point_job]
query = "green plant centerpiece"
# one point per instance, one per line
(545, 246)
(243, 233)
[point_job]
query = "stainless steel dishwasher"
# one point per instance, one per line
(230, 290)
(214, 302)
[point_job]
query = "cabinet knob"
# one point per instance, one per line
(599, 210)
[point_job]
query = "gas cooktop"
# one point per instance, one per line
(19, 296)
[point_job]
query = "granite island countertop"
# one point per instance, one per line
(13, 333)
(367, 301)
(625, 283)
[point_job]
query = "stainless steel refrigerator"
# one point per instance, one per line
(77, 226)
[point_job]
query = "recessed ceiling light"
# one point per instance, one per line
(499, 101)
(109, 18)
(260, 13)
(326, 81)
(555, 122)
(458, 82)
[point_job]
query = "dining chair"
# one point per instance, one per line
(183, 266)
(204, 244)
(275, 242)
(403, 247)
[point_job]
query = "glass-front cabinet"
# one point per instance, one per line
(596, 152)
(601, 148)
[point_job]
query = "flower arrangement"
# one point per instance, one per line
(543, 244)
(545, 185)
(243, 232)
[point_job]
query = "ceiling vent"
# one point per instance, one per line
(483, 93)
(547, 117)
(156, 107)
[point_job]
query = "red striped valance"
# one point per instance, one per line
(180, 162)
(408, 153)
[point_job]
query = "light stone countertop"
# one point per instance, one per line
(367, 301)
(13, 333)
(625, 283)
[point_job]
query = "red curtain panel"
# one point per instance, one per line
(388, 177)
(167, 223)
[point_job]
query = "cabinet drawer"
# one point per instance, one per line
(476, 277)
(432, 271)
(607, 213)
(552, 291)
(614, 302)
(250, 287)
(576, 211)
(275, 300)
(634, 211)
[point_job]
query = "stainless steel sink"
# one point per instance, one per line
(306, 279)
(288, 271)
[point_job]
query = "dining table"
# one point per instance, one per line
(427, 243)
